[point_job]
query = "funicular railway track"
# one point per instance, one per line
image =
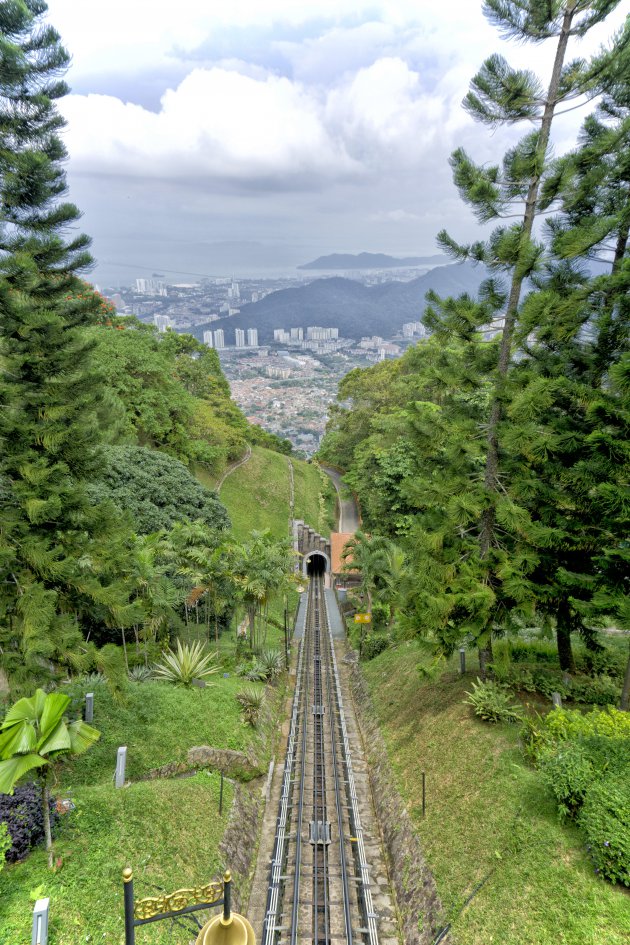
(319, 885)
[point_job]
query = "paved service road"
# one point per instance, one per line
(349, 520)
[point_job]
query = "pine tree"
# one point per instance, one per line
(57, 552)
(501, 95)
(573, 399)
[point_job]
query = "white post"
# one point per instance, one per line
(556, 698)
(121, 764)
(40, 922)
(89, 707)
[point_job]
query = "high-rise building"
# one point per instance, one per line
(219, 338)
(239, 335)
(207, 338)
(316, 333)
(409, 329)
(252, 337)
(281, 336)
(162, 322)
(150, 287)
(297, 334)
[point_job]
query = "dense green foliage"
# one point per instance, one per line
(496, 454)
(155, 489)
(585, 761)
(100, 519)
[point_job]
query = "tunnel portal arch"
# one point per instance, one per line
(316, 562)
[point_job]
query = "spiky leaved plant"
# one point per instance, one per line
(189, 662)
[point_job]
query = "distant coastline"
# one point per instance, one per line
(341, 261)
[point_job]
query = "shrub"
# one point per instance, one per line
(271, 662)
(252, 702)
(493, 702)
(140, 673)
(22, 814)
(572, 767)
(595, 690)
(375, 643)
(254, 671)
(5, 843)
(188, 663)
(561, 725)
(92, 680)
(516, 677)
(605, 820)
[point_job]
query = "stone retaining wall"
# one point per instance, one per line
(417, 897)
(239, 846)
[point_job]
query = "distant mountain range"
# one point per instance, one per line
(370, 261)
(357, 310)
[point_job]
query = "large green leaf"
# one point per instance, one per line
(14, 768)
(26, 710)
(19, 739)
(82, 736)
(56, 740)
(54, 707)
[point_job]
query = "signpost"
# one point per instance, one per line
(363, 618)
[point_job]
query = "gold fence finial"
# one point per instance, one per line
(127, 874)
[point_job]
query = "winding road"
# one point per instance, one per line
(349, 518)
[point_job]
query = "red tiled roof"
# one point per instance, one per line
(337, 542)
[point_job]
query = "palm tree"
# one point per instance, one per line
(35, 734)
(394, 578)
(366, 555)
(262, 568)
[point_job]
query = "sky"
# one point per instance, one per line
(211, 138)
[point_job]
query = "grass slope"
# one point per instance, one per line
(257, 495)
(168, 831)
(488, 815)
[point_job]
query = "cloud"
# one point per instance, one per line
(393, 216)
(242, 125)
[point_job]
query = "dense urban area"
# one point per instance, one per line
(285, 386)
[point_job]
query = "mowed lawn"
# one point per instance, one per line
(168, 831)
(488, 818)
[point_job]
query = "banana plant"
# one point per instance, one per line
(35, 735)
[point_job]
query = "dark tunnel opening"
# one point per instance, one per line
(315, 564)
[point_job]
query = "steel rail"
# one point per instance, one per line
(280, 849)
(333, 717)
(369, 916)
(300, 815)
(321, 935)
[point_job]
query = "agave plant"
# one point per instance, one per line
(252, 702)
(140, 673)
(188, 663)
(271, 663)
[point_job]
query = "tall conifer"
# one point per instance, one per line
(502, 95)
(57, 552)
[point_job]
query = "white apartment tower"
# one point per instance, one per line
(207, 338)
(252, 337)
(219, 338)
(239, 335)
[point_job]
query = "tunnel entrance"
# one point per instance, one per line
(316, 563)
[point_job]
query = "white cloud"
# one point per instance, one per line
(225, 125)
(216, 123)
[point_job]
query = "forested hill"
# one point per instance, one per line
(169, 392)
(357, 310)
